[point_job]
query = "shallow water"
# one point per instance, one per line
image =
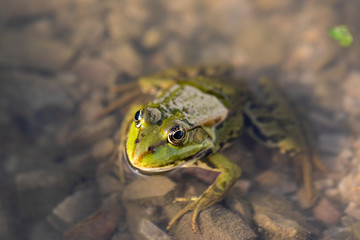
(58, 60)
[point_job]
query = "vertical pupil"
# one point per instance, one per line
(178, 135)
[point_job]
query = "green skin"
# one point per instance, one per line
(149, 150)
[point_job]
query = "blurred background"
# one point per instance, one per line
(58, 59)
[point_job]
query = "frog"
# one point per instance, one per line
(195, 112)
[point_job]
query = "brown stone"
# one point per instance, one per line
(326, 212)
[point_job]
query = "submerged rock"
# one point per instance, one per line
(277, 219)
(215, 222)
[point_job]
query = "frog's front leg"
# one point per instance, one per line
(229, 173)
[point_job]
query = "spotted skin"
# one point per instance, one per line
(209, 113)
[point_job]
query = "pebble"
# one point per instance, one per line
(74, 208)
(87, 33)
(351, 100)
(353, 210)
(326, 212)
(103, 149)
(124, 58)
(152, 38)
(39, 191)
(332, 142)
(263, 45)
(39, 52)
(109, 184)
(349, 186)
(150, 231)
(42, 230)
(95, 71)
(94, 132)
(278, 218)
(268, 178)
(28, 94)
(273, 5)
(148, 187)
(100, 225)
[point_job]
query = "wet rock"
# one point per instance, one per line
(237, 203)
(95, 71)
(350, 186)
(148, 187)
(39, 191)
(4, 223)
(30, 96)
(277, 219)
(100, 225)
(152, 38)
(356, 230)
(93, 132)
(351, 101)
(109, 184)
(74, 208)
(326, 212)
(353, 210)
(262, 45)
(268, 178)
(87, 33)
(124, 58)
(215, 222)
(152, 232)
(273, 5)
(331, 142)
(43, 231)
(23, 8)
(39, 52)
(103, 149)
(337, 233)
(276, 182)
(122, 236)
(80, 163)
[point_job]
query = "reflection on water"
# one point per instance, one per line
(57, 61)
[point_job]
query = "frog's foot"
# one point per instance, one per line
(186, 199)
(196, 205)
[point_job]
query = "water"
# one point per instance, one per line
(58, 59)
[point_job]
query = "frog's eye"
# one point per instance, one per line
(177, 135)
(137, 118)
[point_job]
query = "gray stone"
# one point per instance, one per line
(39, 191)
(29, 94)
(103, 149)
(109, 184)
(277, 218)
(74, 208)
(350, 186)
(152, 232)
(124, 58)
(24, 8)
(332, 142)
(43, 231)
(95, 71)
(215, 222)
(28, 50)
(93, 132)
(148, 187)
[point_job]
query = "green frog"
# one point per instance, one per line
(195, 113)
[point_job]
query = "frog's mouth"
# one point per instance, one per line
(162, 170)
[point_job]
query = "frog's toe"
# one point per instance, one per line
(185, 199)
(186, 209)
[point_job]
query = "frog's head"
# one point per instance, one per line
(158, 143)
